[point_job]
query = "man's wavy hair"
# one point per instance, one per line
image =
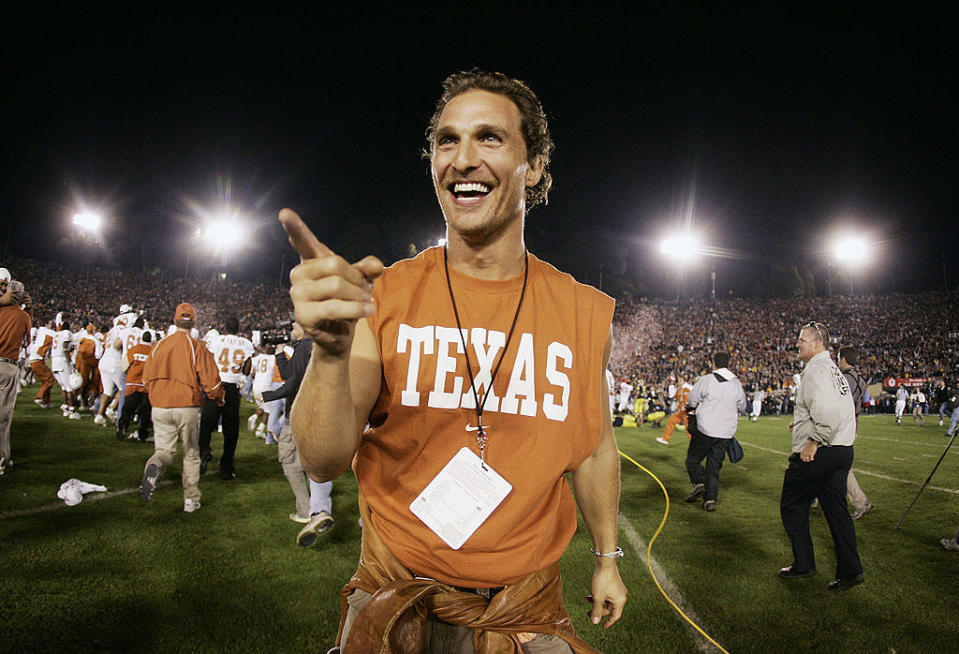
(539, 143)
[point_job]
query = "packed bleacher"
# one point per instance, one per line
(94, 296)
(898, 335)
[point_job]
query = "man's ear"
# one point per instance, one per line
(534, 172)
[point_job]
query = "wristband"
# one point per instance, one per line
(615, 554)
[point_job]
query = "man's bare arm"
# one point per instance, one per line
(333, 403)
(596, 485)
(331, 299)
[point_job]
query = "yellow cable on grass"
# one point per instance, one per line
(649, 553)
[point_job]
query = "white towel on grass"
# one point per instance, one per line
(72, 491)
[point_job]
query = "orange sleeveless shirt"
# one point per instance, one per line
(543, 417)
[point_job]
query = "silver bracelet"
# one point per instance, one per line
(618, 553)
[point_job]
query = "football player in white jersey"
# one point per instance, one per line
(233, 355)
(37, 353)
(111, 374)
(266, 377)
(129, 336)
(901, 396)
(126, 317)
(211, 339)
(61, 366)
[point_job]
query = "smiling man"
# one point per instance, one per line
(479, 370)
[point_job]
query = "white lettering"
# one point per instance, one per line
(419, 339)
(522, 380)
(554, 353)
(439, 397)
(485, 357)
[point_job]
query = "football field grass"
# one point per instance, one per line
(115, 574)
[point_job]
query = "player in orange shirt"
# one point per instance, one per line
(680, 417)
(137, 401)
(87, 366)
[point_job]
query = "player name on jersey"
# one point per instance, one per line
(452, 391)
(230, 352)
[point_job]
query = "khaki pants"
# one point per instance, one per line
(857, 498)
(169, 426)
(9, 381)
(447, 638)
(289, 460)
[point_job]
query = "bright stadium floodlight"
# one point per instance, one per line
(852, 250)
(225, 235)
(683, 245)
(88, 222)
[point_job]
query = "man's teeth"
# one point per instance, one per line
(470, 187)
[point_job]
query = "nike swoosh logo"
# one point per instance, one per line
(471, 428)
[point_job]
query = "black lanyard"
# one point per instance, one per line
(481, 438)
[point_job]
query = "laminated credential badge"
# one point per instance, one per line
(460, 498)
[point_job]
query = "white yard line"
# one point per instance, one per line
(940, 444)
(868, 473)
(639, 545)
(89, 497)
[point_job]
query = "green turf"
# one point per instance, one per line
(118, 575)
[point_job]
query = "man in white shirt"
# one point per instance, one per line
(823, 433)
(918, 399)
(233, 355)
(625, 391)
(715, 401)
(758, 398)
(611, 389)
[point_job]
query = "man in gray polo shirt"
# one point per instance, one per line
(716, 400)
(823, 432)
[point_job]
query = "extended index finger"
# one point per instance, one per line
(301, 238)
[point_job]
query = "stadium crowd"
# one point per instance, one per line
(898, 336)
(93, 297)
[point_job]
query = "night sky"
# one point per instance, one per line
(770, 128)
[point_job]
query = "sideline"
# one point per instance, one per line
(639, 545)
(860, 471)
